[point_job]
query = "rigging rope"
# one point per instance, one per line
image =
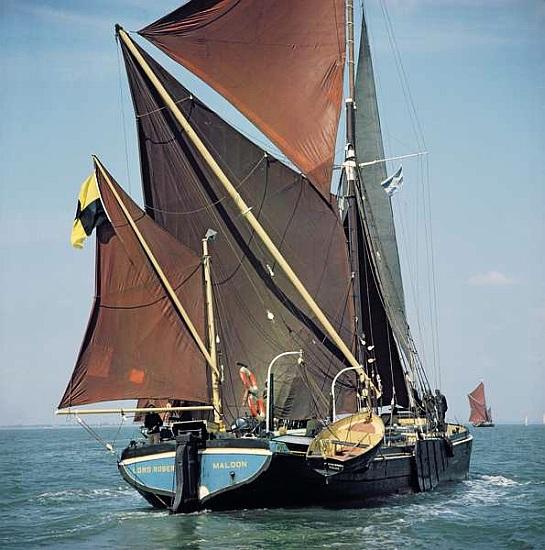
(109, 447)
(424, 197)
(210, 205)
(404, 81)
(123, 121)
(434, 280)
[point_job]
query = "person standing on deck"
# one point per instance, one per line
(153, 423)
(441, 407)
(430, 408)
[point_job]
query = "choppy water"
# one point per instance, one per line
(60, 490)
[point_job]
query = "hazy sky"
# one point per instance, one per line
(476, 70)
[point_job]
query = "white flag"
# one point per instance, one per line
(393, 183)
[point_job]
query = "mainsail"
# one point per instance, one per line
(477, 404)
(280, 62)
(136, 345)
(258, 312)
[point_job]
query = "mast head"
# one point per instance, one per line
(210, 235)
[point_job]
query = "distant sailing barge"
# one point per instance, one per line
(263, 313)
(480, 415)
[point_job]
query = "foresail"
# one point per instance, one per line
(258, 312)
(280, 62)
(377, 205)
(384, 305)
(136, 345)
(376, 328)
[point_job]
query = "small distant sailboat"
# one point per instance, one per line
(526, 420)
(480, 415)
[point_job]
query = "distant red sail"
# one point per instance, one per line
(136, 344)
(280, 62)
(477, 404)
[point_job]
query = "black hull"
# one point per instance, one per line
(289, 482)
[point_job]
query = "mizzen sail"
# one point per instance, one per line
(280, 62)
(136, 345)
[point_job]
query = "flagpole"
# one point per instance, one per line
(243, 208)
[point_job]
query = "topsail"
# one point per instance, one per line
(279, 62)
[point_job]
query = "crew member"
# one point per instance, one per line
(441, 407)
(430, 408)
(153, 423)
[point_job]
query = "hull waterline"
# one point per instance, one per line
(256, 476)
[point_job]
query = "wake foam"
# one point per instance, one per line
(84, 494)
(499, 481)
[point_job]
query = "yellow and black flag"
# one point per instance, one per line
(90, 212)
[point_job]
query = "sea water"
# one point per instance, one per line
(61, 489)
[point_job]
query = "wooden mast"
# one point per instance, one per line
(244, 209)
(350, 46)
(211, 328)
(350, 169)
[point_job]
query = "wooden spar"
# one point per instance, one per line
(244, 209)
(350, 105)
(79, 412)
(216, 381)
(350, 46)
(376, 161)
(158, 270)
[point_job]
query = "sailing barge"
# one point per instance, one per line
(266, 312)
(480, 414)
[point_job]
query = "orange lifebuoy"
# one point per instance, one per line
(255, 403)
(248, 379)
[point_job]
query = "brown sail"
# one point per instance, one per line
(259, 314)
(136, 345)
(280, 62)
(477, 404)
